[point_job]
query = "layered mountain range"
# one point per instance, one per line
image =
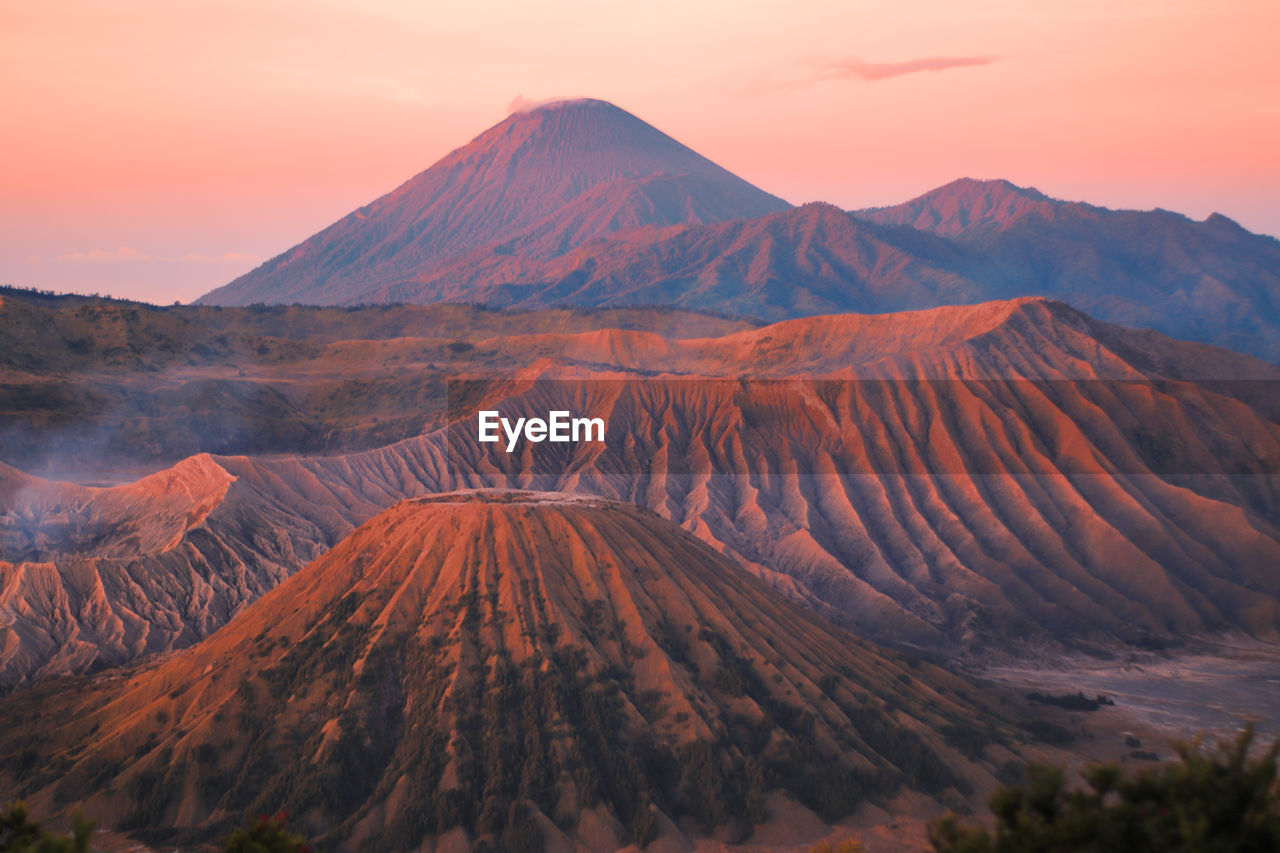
(519, 669)
(580, 203)
(988, 477)
(834, 443)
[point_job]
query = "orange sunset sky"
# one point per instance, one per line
(155, 150)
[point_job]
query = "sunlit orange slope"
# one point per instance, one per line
(997, 476)
(501, 663)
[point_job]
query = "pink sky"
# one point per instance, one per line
(155, 150)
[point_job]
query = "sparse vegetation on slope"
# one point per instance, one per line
(499, 663)
(19, 834)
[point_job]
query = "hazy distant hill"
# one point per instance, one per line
(1209, 281)
(91, 385)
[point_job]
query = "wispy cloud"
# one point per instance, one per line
(852, 68)
(124, 253)
(521, 104)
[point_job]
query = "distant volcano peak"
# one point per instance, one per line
(516, 184)
(994, 187)
(526, 105)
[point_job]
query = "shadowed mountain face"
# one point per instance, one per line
(538, 183)
(813, 259)
(1206, 281)
(990, 477)
(523, 667)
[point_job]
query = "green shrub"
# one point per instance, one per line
(19, 834)
(1219, 801)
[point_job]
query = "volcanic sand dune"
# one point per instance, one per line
(512, 663)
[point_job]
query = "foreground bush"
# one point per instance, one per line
(1219, 801)
(18, 834)
(265, 835)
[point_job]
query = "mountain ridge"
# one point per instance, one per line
(963, 205)
(969, 478)
(581, 204)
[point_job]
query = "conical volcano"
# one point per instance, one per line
(510, 666)
(541, 182)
